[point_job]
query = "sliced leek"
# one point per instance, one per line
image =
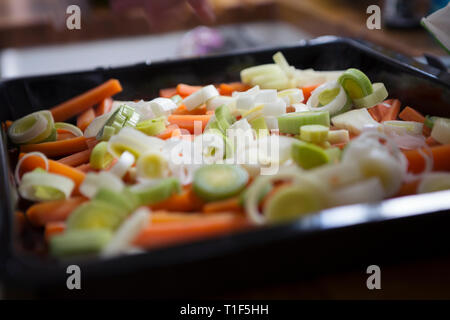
(69, 127)
(434, 181)
(133, 141)
(152, 127)
(200, 97)
(125, 162)
(152, 165)
(100, 157)
(104, 179)
(329, 97)
(441, 130)
(354, 121)
(39, 185)
(378, 95)
(32, 128)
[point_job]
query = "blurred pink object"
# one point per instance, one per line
(200, 41)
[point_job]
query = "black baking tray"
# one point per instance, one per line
(350, 237)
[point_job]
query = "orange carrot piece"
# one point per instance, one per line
(410, 114)
(33, 162)
(172, 233)
(171, 131)
(85, 118)
(104, 107)
(431, 142)
(188, 121)
(167, 92)
(441, 156)
(85, 167)
(84, 101)
(57, 148)
(53, 228)
(163, 216)
(42, 213)
(185, 90)
(182, 110)
(8, 124)
(408, 188)
(187, 200)
(64, 136)
(386, 111)
(77, 159)
(227, 205)
(226, 89)
(307, 91)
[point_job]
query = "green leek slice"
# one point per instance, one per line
(77, 242)
(308, 155)
(100, 157)
(152, 127)
(355, 83)
(152, 193)
(219, 181)
(291, 122)
(314, 133)
(378, 95)
(96, 214)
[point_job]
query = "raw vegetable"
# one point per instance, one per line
(77, 242)
(186, 201)
(260, 127)
(133, 141)
(162, 106)
(100, 158)
(104, 107)
(82, 102)
(338, 136)
(124, 200)
(39, 185)
(152, 127)
(40, 214)
(291, 122)
(152, 165)
(219, 181)
(369, 190)
(308, 155)
(77, 159)
(378, 95)
(441, 131)
(416, 161)
(354, 121)
(152, 193)
(57, 148)
(291, 96)
(124, 116)
(386, 111)
(33, 128)
(228, 205)
(69, 127)
(125, 162)
(329, 97)
(188, 121)
(96, 214)
(434, 181)
(355, 83)
(200, 97)
(104, 179)
(85, 118)
(409, 114)
(314, 133)
(185, 90)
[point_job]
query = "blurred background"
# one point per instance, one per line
(34, 38)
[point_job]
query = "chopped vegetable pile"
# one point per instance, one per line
(200, 161)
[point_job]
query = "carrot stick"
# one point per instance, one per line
(307, 91)
(77, 159)
(182, 110)
(104, 107)
(8, 124)
(167, 92)
(386, 111)
(407, 189)
(441, 156)
(188, 121)
(176, 232)
(226, 89)
(57, 148)
(185, 90)
(53, 228)
(171, 131)
(34, 162)
(85, 118)
(84, 101)
(184, 201)
(231, 205)
(431, 142)
(84, 167)
(64, 135)
(409, 114)
(42, 213)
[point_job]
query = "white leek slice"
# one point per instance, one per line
(104, 179)
(69, 127)
(97, 124)
(354, 121)
(55, 186)
(250, 73)
(152, 165)
(291, 96)
(434, 181)
(300, 107)
(403, 127)
(133, 141)
(378, 95)
(162, 106)
(215, 102)
(274, 109)
(127, 232)
(337, 103)
(441, 130)
(438, 25)
(142, 107)
(19, 163)
(211, 146)
(32, 128)
(124, 163)
(266, 96)
(271, 122)
(200, 97)
(338, 136)
(370, 190)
